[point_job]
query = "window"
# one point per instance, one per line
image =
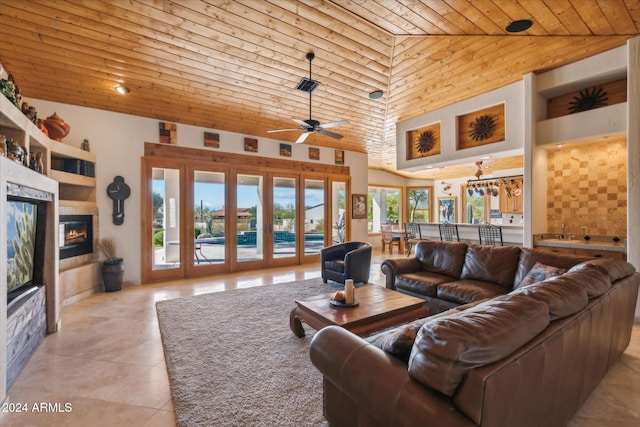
(384, 207)
(476, 200)
(419, 204)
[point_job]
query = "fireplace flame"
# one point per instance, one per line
(75, 236)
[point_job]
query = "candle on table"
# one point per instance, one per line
(348, 291)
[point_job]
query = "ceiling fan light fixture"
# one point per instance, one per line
(122, 90)
(376, 94)
(519, 25)
(312, 126)
(307, 85)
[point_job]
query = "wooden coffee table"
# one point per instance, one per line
(378, 308)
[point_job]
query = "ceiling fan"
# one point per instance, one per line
(309, 126)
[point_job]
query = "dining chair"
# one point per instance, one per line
(389, 237)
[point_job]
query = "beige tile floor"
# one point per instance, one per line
(106, 363)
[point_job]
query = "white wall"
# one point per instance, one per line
(633, 158)
(118, 142)
(379, 178)
(512, 98)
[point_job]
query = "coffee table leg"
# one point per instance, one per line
(295, 324)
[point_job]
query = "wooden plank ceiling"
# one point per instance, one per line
(234, 65)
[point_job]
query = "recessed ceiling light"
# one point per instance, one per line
(519, 25)
(122, 90)
(376, 94)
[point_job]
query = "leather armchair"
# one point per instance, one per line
(350, 260)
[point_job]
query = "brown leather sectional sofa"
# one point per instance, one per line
(505, 348)
(450, 274)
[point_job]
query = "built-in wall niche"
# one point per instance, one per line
(587, 98)
(423, 142)
(75, 166)
(587, 188)
(481, 127)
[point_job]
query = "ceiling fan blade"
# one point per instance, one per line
(331, 134)
(302, 137)
(334, 124)
(282, 130)
(302, 123)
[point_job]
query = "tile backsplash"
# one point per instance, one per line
(587, 187)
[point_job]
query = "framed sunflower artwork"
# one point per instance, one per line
(423, 142)
(481, 127)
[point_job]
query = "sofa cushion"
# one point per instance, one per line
(398, 341)
(334, 265)
(616, 269)
(421, 283)
(441, 257)
(529, 256)
(467, 291)
(565, 294)
(495, 264)
(540, 272)
(447, 347)
(592, 277)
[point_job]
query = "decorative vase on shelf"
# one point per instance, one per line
(56, 127)
(42, 128)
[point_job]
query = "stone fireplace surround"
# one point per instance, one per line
(76, 235)
(15, 175)
(79, 275)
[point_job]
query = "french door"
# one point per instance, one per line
(206, 196)
(201, 218)
(163, 212)
(284, 230)
(247, 214)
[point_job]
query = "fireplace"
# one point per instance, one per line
(75, 235)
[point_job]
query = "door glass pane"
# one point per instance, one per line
(313, 216)
(166, 218)
(249, 218)
(208, 213)
(338, 212)
(284, 217)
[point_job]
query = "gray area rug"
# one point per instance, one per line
(233, 361)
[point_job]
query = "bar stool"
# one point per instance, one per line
(449, 232)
